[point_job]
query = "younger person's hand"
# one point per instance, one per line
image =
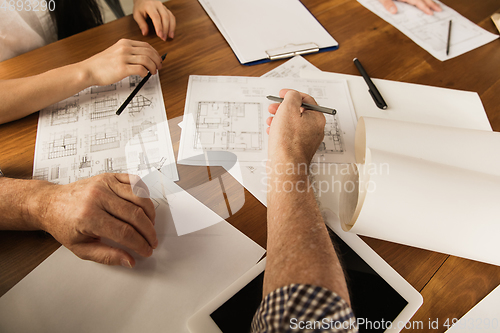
(427, 6)
(124, 58)
(163, 19)
(294, 133)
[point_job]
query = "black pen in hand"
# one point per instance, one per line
(307, 106)
(136, 90)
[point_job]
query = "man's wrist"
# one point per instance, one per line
(36, 204)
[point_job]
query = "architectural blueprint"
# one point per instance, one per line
(431, 31)
(82, 136)
(228, 114)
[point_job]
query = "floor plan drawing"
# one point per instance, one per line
(228, 126)
(82, 136)
(333, 141)
(225, 117)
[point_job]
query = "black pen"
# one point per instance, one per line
(379, 101)
(449, 38)
(136, 90)
(307, 106)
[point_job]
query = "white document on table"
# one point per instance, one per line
(67, 294)
(431, 31)
(256, 29)
(484, 317)
(82, 136)
(414, 103)
(225, 119)
(432, 187)
(462, 116)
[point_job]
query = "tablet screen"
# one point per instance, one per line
(372, 298)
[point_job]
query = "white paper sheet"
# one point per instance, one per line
(428, 186)
(225, 118)
(253, 27)
(414, 103)
(188, 214)
(82, 136)
(484, 317)
(431, 31)
(67, 294)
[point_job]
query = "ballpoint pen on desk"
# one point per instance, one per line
(307, 106)
(377, 97)
(449, 38)
(136, 90)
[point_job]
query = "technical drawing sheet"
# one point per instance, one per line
(82, 136)
(431, 31)
(225, 118)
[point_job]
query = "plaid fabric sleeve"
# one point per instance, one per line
(303, 308)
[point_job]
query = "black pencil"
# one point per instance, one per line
(136, 90)
(449, 38)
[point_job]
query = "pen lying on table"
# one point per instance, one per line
(307, 106)
(136, 90)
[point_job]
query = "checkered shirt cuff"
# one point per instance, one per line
(303, 308)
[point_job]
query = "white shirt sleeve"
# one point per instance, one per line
(25, 30)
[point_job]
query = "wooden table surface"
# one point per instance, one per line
(450, 285)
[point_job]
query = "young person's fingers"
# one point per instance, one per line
(434, 6)
(173, 24)
(141, 22)
(136, 70)
(157, 22)
(390, 6)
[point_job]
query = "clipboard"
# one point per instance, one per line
(260, 31)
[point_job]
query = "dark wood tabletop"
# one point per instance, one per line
(451, 286)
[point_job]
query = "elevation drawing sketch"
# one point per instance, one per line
(137, 104)
(134, 80)
(145, 131)
(64, 113)
(103, 107)
(62, 145)
(105, 89)
(83, 136)
(229, 126)
(41, 174)
(104, 137)
(101, 89)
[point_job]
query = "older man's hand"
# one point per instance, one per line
(112, 206)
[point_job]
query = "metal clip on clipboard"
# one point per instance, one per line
(291, 50)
